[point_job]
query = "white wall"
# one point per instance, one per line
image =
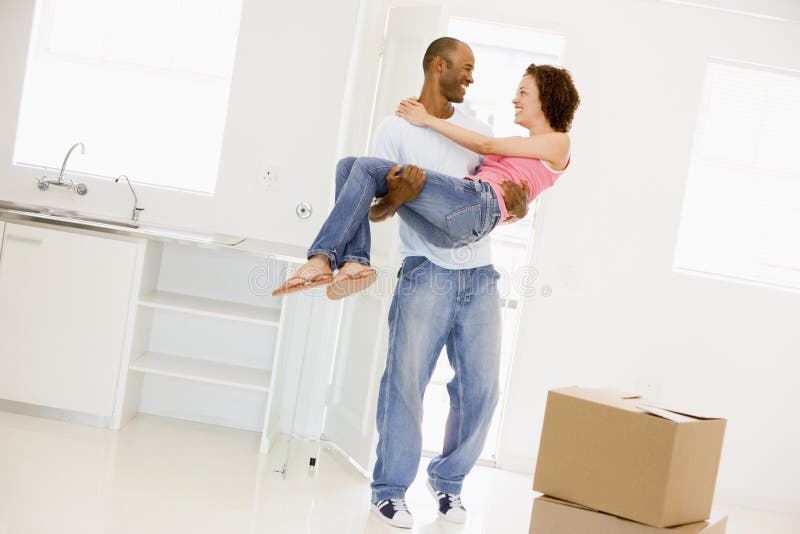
(285, 110)
(618, 316)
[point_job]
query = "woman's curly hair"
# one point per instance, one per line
(557, 94)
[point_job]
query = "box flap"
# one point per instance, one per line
(691, 414)
(632, 402)
(599, 395)
(555, 500)
(690, 528)
(666, 414)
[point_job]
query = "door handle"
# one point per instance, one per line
(24, 239)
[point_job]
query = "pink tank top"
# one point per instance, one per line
(496, 169)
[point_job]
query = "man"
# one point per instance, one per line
(443, 297)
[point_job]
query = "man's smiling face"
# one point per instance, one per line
(457, 76)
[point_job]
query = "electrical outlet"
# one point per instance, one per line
(269, 178)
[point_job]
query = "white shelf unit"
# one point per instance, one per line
(206, 344)
(158, 363)
(211, 308)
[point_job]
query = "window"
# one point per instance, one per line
(144, 85)
(741, 212)
(502, 53)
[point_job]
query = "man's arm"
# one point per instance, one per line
(407, 185)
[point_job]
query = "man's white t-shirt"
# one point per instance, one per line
(398, 140)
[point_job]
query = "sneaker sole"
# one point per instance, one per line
(432, 491)
(388, 521)
(454, 521)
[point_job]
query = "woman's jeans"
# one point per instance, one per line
(449, 212)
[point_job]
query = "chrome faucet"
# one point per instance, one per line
(44, 182)
(136, 208)
(64, 165)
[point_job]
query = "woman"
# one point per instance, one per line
(449, 212)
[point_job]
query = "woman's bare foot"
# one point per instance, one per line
(315, 272)
(351, 278)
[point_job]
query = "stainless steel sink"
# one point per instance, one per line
(182, 235)
(46, 212)
(98, 219)
(30, 212)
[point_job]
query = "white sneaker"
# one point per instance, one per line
(450, 507)
(394, 512)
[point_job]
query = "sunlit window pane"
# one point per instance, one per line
(144, 85)
(741, 213)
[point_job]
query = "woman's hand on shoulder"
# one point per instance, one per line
(414, 112)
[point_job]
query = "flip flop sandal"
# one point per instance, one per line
(317, 280)
(345, 284)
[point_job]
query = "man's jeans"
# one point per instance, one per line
(433, 307)
(449, 212)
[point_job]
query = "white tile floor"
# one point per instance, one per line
(161, 475)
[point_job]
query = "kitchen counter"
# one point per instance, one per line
(20, 212)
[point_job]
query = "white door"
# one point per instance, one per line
(361, 348)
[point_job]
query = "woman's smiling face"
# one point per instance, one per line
(527, 107)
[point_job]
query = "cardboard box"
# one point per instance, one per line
(620, 454)
(552, 516)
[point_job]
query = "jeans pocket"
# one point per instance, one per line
(411, 264)
(464, 224)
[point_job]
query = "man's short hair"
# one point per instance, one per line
(441, 47)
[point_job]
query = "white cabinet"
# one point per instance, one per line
(207, 339)
(64, 304)
(110, 326)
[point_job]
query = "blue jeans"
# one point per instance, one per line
(449, 212)
(433, 307)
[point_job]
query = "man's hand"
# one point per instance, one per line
(516, 198)
(403, 187)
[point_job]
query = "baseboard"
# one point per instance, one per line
(333, 447)
(67, 416)
(516, 463)
(755, 501)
